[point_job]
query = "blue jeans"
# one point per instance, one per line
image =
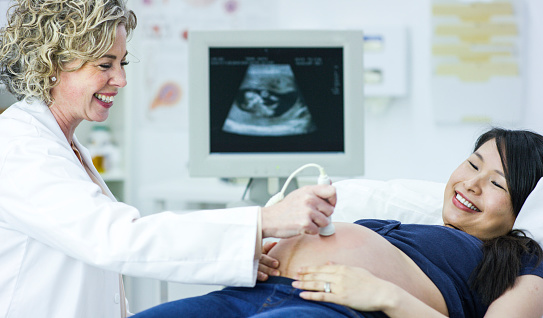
(273, 298)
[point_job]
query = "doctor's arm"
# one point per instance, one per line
(52, 200)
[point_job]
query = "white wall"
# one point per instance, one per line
(403, 141)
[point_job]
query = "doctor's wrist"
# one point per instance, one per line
(258, 243)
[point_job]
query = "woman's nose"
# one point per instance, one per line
(473, 184)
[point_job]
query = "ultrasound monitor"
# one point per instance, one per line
(264, 103)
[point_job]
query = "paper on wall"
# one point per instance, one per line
(477, 64)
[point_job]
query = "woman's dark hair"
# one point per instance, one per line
(521, 153)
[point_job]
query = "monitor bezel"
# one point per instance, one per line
(202, 163)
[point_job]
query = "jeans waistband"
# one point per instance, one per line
(278, 280)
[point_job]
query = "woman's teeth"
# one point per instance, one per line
(467, 203)
(104, 98)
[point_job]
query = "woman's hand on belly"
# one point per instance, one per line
(354, 287)
(359, 289)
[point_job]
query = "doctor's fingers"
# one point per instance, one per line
(327, 193)
(311, 218)
(269, 262)
(267, 246)
(311, 195)
(319, 219)
(267, 266)
(282, 221)
(324, 207)
(316, 193)
(310, 200)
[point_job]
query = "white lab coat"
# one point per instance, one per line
(63, 243)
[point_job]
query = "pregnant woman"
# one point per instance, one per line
(474, 265)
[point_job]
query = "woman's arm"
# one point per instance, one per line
(525, 299)
(357, 288)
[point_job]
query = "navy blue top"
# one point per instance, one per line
(447, 256)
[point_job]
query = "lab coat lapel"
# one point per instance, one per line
(43, 114)
(85, 154)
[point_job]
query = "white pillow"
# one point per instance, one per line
(408, 201)
(417, 201)
(530, 218)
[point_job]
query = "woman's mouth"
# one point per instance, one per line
(466, 202)
(105, 98)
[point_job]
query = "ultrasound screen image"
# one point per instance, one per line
(266, 100)
(269, 103)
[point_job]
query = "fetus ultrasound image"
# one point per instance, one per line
(276, 100)
(269, 103)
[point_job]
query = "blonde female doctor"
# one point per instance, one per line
(64, 239)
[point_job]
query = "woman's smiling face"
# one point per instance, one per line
(477, 198)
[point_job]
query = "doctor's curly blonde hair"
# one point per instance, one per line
(42, 36)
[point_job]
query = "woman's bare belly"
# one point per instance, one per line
(355, 245)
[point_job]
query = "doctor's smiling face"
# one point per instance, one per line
(477, 198)
(88, 93)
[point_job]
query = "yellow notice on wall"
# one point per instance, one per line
(477, 71)
(477, 32)
(463, 52)
(473, 12)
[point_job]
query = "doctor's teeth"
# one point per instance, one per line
(104, 98)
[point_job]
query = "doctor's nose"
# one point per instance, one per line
(118, 79)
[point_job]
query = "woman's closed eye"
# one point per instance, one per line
(476, 168)
(498, 185)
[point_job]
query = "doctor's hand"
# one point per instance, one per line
(267, 266)
(302, 211)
